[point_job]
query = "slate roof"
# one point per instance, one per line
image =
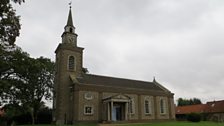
(119, 82)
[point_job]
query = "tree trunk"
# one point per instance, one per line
(32, 115)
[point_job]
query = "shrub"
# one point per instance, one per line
(3, 121)
(194, 117)
(44, 116)
(22, 119)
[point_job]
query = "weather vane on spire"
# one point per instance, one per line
(70, 4)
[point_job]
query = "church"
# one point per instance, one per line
(83, 97)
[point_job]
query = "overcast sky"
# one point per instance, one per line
(180, 42)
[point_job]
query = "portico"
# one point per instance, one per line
(117, 107)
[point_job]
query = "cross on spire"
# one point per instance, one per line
(70, 4)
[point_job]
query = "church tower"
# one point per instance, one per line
(68, 63)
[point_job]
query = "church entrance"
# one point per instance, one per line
(116, 108)
(118, 112)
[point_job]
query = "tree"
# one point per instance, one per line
(26, 81)
(184, 102)
(9, 30)
(9, 60)
(9, 22)
(35, 83)
(23, 80)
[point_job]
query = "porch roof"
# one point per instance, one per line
(117, 98)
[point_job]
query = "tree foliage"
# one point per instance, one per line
(8, 75)
(9, 30)
(26, 81)
(18, 1)
(184, 102)
(9, 22)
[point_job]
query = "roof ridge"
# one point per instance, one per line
(214, 101)
(192, 105)
(119, 78)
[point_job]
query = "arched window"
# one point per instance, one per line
(162, 106)
(147, 105)
(71, 62)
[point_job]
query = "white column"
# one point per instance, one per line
(126, 110)
(108, 111)
(111, 114)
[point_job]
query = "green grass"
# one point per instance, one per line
(82, 124)
(175, 124)
(151, 124)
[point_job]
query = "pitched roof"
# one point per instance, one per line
(209, 107)
(118, 82)
(117, 97)
(200, 108)
(215, 106)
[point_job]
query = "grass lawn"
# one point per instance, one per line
(83, 124)
(151, 124)
(175, 124)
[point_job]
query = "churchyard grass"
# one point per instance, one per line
(174, 123)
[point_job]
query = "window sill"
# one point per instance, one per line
(163, 114)
(148, 114)
(86, 114)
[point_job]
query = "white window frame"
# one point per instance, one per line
(162, 105)
(148, 99)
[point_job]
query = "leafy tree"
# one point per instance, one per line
(184, 102)
(9, 22)
(35, 83)
(26, 81)
(9, 30)
(9, 60)
(23, 80)
(18, 1)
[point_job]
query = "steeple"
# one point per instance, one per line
(70, 22)
(69, 35)
(69, 26)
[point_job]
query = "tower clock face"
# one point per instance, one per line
(70, 39)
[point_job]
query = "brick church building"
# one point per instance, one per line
(82, 97)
